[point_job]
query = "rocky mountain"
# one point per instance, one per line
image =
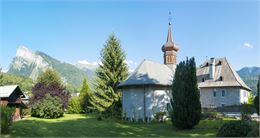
(250, 76)
(30, 64)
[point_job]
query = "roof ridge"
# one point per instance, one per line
(233, 72)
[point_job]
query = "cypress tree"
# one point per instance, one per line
(185, 107)
(85, 95)
(113, 70)
(256, 100)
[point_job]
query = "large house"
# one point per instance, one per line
(11, 96)
(220, 85)
(148, 89)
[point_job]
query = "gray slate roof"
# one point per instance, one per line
(222, 68)
(149, 73)
(6, 91)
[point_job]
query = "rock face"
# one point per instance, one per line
(27, 63)
(30, 64)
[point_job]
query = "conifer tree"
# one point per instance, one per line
(112, 70)
(256, 100)
(85, 95)
(185, 107)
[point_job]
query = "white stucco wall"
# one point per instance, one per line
(233, 96)
(156, 99)
(244, 96)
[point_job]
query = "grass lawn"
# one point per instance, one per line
(77, 125)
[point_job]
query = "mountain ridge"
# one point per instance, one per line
(30, 64)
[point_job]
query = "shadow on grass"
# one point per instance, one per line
(91, 127)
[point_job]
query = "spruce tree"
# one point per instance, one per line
(85, 95)
(185, 108)
(256, 100)
(112, 70)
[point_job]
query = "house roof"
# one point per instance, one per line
(222, 69)
(149, 73)
(6, 91)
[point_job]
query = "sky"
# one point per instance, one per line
(76, 30)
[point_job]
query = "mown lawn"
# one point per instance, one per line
(76, 125)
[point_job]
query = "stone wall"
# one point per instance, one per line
(134, 102)
(232, 97)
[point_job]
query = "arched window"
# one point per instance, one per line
(220, 78)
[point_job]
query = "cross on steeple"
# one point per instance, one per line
(169, 49)
(170, 17)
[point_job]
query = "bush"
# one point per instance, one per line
(159, 116)
(74, 105)
(235, 129)
(211, 115)
(253, 133)
(6, 118)
(26, 112)
(246, 112)
(49, 107)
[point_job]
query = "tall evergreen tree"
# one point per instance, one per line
(185, 108)
(256, 100)
(113, 70)
(85, 95)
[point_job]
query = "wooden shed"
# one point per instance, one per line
(11, 96)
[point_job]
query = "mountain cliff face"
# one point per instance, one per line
(250, 76)
(30, 64)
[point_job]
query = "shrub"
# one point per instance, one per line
(49, 107)
(235, 129)
(40, 90)
(246, 112)
(159, 116)
(253, 133)
(6, 118)
(211, 115)
(74, 105)
(26, 112)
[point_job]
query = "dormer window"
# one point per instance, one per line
(219, 63)
(203, 79)
(220, 78)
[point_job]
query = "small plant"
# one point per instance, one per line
(235, 129)
(124, 114)
(6, 118)
(159, 116)
(246, 112)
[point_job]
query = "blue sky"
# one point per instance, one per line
(77, 30)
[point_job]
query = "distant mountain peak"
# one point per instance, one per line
(30, 64)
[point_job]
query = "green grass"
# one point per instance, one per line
(76, 125)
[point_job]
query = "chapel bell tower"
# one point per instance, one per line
(170, 50)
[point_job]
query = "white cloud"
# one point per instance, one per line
(4, 71)
(94, 63)
(248, 45)
(130, 62)
(131, 70)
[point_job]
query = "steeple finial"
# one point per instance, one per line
(170, 17)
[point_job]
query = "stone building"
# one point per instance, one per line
(220, 85)
(147, 90)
